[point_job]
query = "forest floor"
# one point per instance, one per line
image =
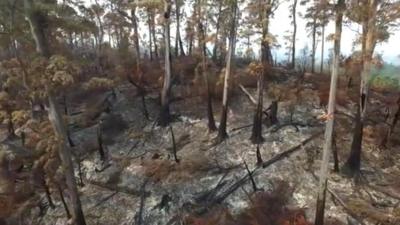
(140, 183)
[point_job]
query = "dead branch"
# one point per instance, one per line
(218, 199)
(103, 200)
(387, 191)
(253, 182)
(139, 215)
(249, 96)
(345, 207)
(287, 153)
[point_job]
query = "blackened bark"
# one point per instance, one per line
(369, 37)
(335, 155)
(259, 158)
(314, 32)
(202, 35)
(10, 126)
(100, 142)
(63, 202)
(178, 39)
(329, 128)
(322, 48)
(256, 135)
(222, 134)
(165, 117)
(217, 28)
(294, 34)
(174, 150)
(352, 165)
(273, 115)
(150, 34)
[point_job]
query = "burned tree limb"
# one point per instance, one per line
(174, 150)
(100, 142)
(139, 215)
(228, 191)
(63, 201)
(259, 158)
(345, 207)
(249, 96)
(253, 182)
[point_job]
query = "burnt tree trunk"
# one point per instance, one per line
(321, 69)
(164, 117)
(314, 32)
(178, 39)
(217, 29)
(222, 134)
(150, 34)
(37, 19)
(353, 163)
(294, 34)
(202, 34)
(327, 147)
(256, 135)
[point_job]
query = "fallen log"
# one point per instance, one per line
(221, 197)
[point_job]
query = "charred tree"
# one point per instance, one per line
(178, 39)
(314, 43)
(256, 134)
(174, 150)
(217, 30)
(294, 7)
(38, 21)
(202, 35)
(353, 163)
(100, 146)
(222, 134)
(150, 34)
(164, 117)
(327, 147)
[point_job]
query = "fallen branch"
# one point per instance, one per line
(218, 199)
(387, 191)
(287, 153)
(345, 207)
(104, 200)
(249, 96)
(139, 215)
(341, 202)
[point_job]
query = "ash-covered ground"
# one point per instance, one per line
(140, 182)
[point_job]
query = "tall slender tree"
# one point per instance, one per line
(164, 117)
(376, 17)
(37, 19)
(327, 147)
(222, 134)
(200, 17)
(178, 39)
(294, 23)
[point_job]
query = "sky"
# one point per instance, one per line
(390, 50)
(280, 24)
